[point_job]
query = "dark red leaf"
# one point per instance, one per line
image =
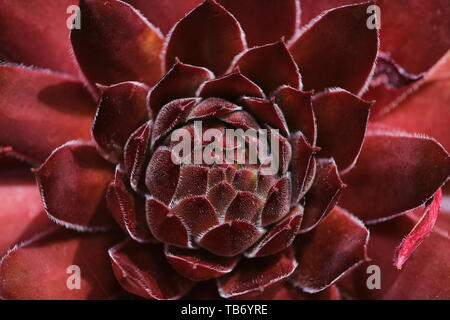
(73, 183)
(116, 44)
(208, 36)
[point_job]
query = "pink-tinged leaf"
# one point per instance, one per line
(162, 176)
(38, 269)
(420, 231)
(266, 111)
(212, 107)
(35, 33)
(41, 111)
(21, 212)
(279, 67)
(323, 195)
(73, 183)
(208, 36)
(423, 276)
(301, 164)
(428, 39)
(265, 22)
(297, 108)
(135, 155)
(253, 276)
(165, 225)
(395, 172)
(278, 202)
(341, 126)
(333, 248)
(142, 269)
(230, 87)
(116, 44)
(197, 214)
(280, 237)
(337, 50)
(199, 265)
(128, 209)
(122, 109)
(164, 13)
(171, 115)
(425, 108)
(230, 239)
(182, 81)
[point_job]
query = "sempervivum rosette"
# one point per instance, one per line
(123, 204)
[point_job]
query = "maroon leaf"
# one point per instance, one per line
(338, 50)
(280, 237)
(312, 8)
(165, 225)
(267, 112)
(395, 172)
(230, 87)
(197, 214)
(245, 206)
(212, 107)
(162, 175)
(127, 209)
(21, 212)
(241, 119)
(221, 196)
(230, 239)
(297, 109)
(73, 183)
(170, 116)
(427, 40)
(279, 67)
(116, 44)
(323, 195)
(192, 182)
(42, 111)
(164, 13)
(199, 265)
(122, 109)
(341, 125)
(208, 36)
(38, 269)
(182, 81)
(290, 292)
(337, 245)
(277, 202)
(252, 276)
(142, 269)
(34, 33)
(301, 164)
(135, 155)
(265, 22)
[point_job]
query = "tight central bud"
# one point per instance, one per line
(216, 178)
